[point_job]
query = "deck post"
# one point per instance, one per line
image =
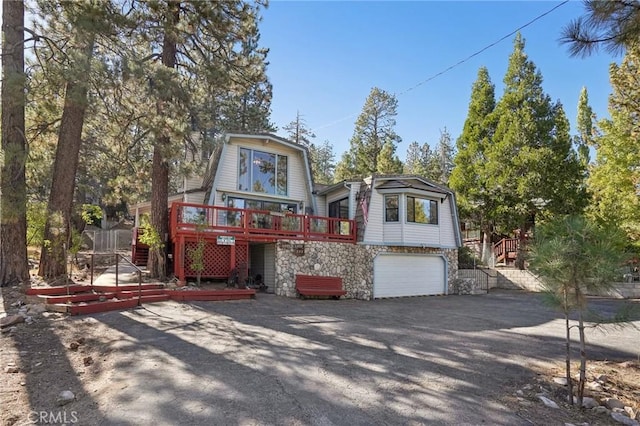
(232, 257)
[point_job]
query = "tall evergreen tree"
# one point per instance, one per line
(323, 162)
(321, 156)
(531, 161)
(87, 21)
(299, 132)
(374, 127)
(476, 199)
(420, 161)
(443, 161)
(614, 182)
(585, 127)
(13, 220)
(204, 45)
(345, 169)
(389, 163)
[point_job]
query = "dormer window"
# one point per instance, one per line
(422, 210)
(262, 172)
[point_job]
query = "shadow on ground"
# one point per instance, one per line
(438, 360)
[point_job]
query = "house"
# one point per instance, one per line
(257, 206)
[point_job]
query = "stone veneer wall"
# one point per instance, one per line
(352, 262)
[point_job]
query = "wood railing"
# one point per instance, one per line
(506, 249)
(187, 219)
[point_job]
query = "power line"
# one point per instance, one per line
(460, 62)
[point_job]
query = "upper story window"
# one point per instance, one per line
(339, 209)
(421, 210)
(391, 209)
(262, 172)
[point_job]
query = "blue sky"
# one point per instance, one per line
(326, 56)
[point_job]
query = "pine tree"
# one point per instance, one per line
(345, 169)
(613, 24)
(323, 162)
(585, 127)
(13, 220)
(373, 128)
(321, 156)
(614, 182)
(299, 132)
(389, 163)
(530, 161)
(476, 200)
(442, 161)
(87, 22)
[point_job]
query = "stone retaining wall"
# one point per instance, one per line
(517, 279)
(525, 280)
(352, 262)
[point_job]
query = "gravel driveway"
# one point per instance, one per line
(273, 360)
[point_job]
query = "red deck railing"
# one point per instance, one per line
(506, 249)
(190, 220)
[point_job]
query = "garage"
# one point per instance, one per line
(398, 275)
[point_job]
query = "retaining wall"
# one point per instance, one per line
(525, 280)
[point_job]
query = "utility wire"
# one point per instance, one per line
(460, 62)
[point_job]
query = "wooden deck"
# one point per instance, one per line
(506, 250)
(227, 233)
(256, 225)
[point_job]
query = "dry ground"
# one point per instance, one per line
(58, 352)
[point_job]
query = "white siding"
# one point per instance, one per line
(194, 197)
(194, 182)
(447, 230)
(422, 234)
(321, 202)
(411, 234)
(373, 232)
(270, 266)
(353, 199)
(227, 176)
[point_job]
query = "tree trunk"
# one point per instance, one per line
(568, 346)
(160, 166)
(57, 231)
(583, 359)
(159, 215)
(522, 246)
(13, 217)
(486, 248)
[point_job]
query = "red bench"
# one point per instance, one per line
(311, 285)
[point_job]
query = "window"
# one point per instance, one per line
(421, 210)
(391, 208)
(262, 172)
(339, 209)
(272, 206)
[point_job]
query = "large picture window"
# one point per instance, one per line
(391, 212)
(421, 210)
(262, 172)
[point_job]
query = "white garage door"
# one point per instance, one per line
(396, 275)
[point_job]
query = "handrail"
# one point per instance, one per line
(258, 223)
(119, 256)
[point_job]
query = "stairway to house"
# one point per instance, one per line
(87, 299)
(505, 251)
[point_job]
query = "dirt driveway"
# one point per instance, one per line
(273, 360)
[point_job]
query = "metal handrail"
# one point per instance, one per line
(118, 257)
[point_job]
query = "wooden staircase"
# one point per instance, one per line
(505, 251)
(87, 299)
